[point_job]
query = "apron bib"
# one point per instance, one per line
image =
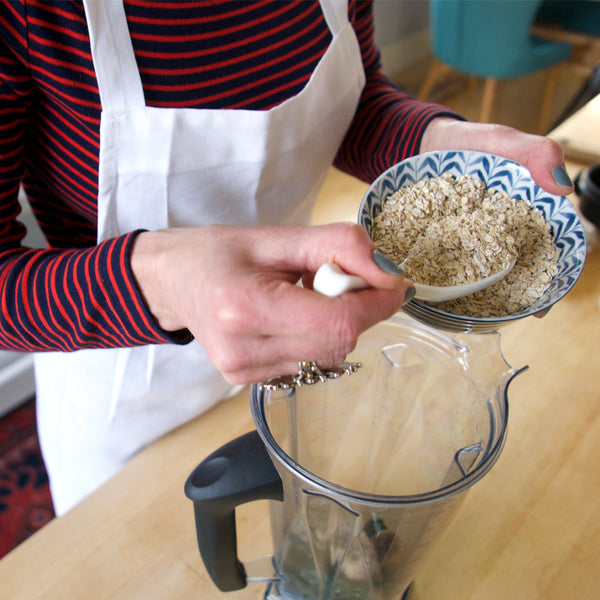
(162, 167)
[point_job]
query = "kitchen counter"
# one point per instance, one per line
(580, 134)
(530, 529)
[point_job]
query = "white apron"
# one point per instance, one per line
(174, 167)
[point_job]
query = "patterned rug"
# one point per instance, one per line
(25, 501)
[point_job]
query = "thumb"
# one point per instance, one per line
(349, 247)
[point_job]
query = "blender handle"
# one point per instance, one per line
(238, 472)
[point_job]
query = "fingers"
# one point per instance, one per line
(306, 249)
(542, 313)
(261, 332)
(326, 338)
(255, 360)
(547, 170)
(315, 323)
(542, 156)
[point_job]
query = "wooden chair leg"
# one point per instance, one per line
(489, 91)
(471, 85)
(435, 72)
(551, 80)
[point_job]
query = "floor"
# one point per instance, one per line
(517, 102)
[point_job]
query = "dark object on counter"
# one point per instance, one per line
(575, 15)
(587, 187)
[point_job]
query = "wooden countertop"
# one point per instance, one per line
(579, 135)
(530, 529)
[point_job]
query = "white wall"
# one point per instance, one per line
(401, 32)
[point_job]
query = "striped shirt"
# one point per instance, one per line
(195, 54)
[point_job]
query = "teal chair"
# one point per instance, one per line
(491, 39)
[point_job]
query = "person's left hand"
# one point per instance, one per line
(541, 155)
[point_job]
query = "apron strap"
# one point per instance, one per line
(335, 13)
(118, 76)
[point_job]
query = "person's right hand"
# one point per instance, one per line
(235, 289)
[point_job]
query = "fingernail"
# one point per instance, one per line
(561, 177)
(387, 264)
(410, 294)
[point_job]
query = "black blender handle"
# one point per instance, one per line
(238, 472)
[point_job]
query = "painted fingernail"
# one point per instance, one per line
(561, 177)
(410, 294)
(387, 264)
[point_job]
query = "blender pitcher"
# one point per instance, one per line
(364, 471)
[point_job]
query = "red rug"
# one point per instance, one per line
(25, 501)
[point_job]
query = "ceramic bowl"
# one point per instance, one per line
(514, 179)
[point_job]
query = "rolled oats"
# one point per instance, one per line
(451, 230)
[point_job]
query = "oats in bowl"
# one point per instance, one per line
(450, 230)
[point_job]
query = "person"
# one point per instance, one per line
(171, 153)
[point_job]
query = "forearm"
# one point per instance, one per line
(73, 299)
(388, 127)
(389, 124)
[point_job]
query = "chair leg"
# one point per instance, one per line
(489, 91)
(551, 80)
(471, 85)
(437, 70)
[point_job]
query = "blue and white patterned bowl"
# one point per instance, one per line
(515, 180)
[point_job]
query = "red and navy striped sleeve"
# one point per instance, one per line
(389, 124)
(75, 293)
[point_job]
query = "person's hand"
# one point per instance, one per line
(541, 155)
(235, 289)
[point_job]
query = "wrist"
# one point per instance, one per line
(442, 133)
(148, 266)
